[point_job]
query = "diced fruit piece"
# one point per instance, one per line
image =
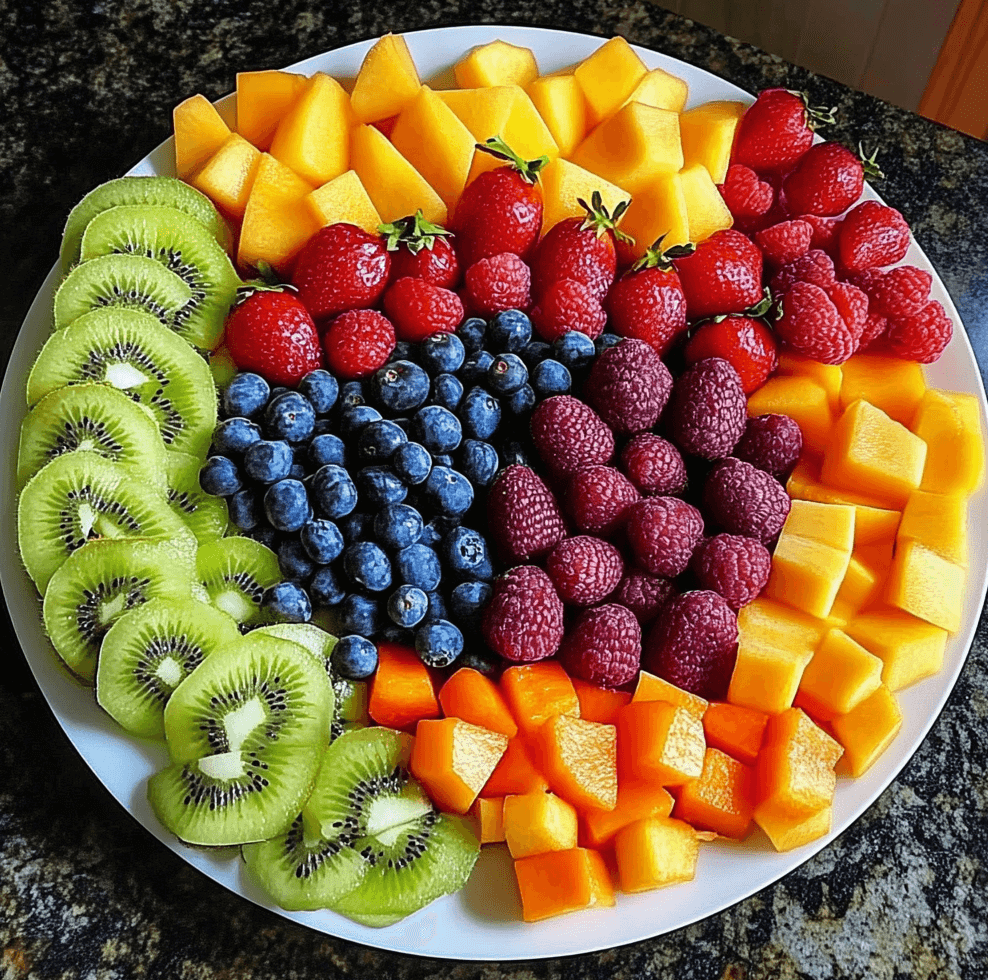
(840, 676)
(922, 583)
(401, 690)
(803, 400)
(766, 677)
(660, 89)
(868, 730)
(733, 729)
(598, 703)
(787, 832)
(708, 134)
(562, 881)
(559, 101)
(199, 132)
(537, 692)
(655, 852)
(488, 819)
(804, 483)
(653, 688)
(660, 741)
(496, 63)
(910, 648)
(387, 81)
(830, 377)
(579, 758)
(516, 772)
(829, 524)
(806, 574)
(469, 695)
(874, 524)
(607, 77)
(344, 200)
(705, 208)
(894, 385)
(453, 759)
(228, 176)
(862, 584)
(938, 521)
(658, 210)
(564, 184)
(535, 823)
(637, 799)
(949, 422)
(780, 625)
(264, 98)
(722, 799)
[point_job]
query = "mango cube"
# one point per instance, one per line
(806, 574)
(805, 483)
(927, 586)
(939, 522)
(607, 77)
(766, 676)
(841, 674)
(564, 184)
(949, 423)
(787, 832)
(387, 81)
(562, 881)
(780, 625)
(830, 377)
(559, 101)
(263, 99)
(535, 823)
(803, 400)
(496, 63)
(861, 586)
(705, 208)
(655, 852)
(344, 199)
(894, 385)
(487, 816)
(636, 800)
(659, 741)
(830, 524)
(660, 89)
(228, 176)
(658, 211)
(722, 799)
(867, 730)
(708, 135)
(909, 648)
(199, 132)
(653, 688)
(579, 758)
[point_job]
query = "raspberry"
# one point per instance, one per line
(785, 242)
(707, 409)
(524, 619)
(866, 280)
(852, 305)
(501, 282)
(629, 386)
(585, 569)
(815, 266)
(419, 309)
(694, 644)
(825, 232)
(570, 435)
(357, 343)
(662, 532)
(568, 305)
(812, 325)
(770, 442)
(747, 198)
(743, 499)
(603, 646)
(599, 497)
(920, 336)
(644, 594)
(653, 465)
(525, 513)
(733, 566)
(874, 327)
(900, 291)
(872, 235)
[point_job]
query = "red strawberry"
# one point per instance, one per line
(723, 275)
(342, 267)
(813, 326)
(745, 342)
(872, 235)
(418, 309)
(785, 242)
(272, 333)
(501, 282)
(920, 336)
(501, 210)
(747, 198)
(568, 305)
(776, 131)
(828, 179)
(422, 250)
(357, 343)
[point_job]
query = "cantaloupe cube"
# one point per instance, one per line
(939, 522)
(199, 133)
(636, 800)
(538, 822)
(607, 77)
(659, 741)
(539, 691)
(909, 648)
(929, 587)
(787, 832)
(263, 99)
(803, 400)
(655, 852)
(894, 385)
(658, 211)
(496, 63)
(562, 881)
(387, 81)
(841, 674)
(780, 625)
(708, 135)
(487, 816)
(228, 176)
(661, 89)
(344, 199)
(579, 758)
(830, 524)
(653, 688)
(559, 101)
(564, 184)
(722, 799)
(830, 377)
(949, 422)
(805, 483)
(806, 574)
(862, 585)
(394, 186)
(705, 208)
(734, 729)
(867, 731)
(766, 677)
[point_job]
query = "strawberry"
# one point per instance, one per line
(501, 282)
(341, 267)
(422, 250)
(723, 275)
(872, 235)
(568, 305)
(827, 180)
(747, 198)
(357, 343)
(813, 326)
(419, 309)
(501, 210)
(784, 242)
(745, 342)
(270, 331)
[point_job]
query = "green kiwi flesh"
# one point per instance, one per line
(206, 516)
(131, 351)
(149, 651)
(235, 572)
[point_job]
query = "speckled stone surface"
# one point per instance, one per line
(86, 89)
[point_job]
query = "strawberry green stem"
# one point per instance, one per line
(657, 258)
(529, 169)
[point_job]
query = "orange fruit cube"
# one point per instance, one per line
(515, 773)
(867, 730)
(496, 63)
(660, 89)
(199, 132)
(708, 135)
(562, 881)
(487, 816)
(787, 832)
(538, 822)
(655, 852)
(228, 176)
(636, 800)
(579, 758)
(653, 688)
(598, 703)
(830, 377)
(894, 385)
(469, 695)
(387, 81)
(564, 184)
(559, 101)
(401, 690)
(949, 422)
(909, 648)
(660, 741)
(344, 199)
(722, 799)
(658, 210)
(734, 729)
(706, 211)
(263, 99)
(607, 77)
(927, 586)
(841, 675)
(803, 400)
(937, 521)
(539, 691)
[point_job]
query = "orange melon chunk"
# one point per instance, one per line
(722, 800)
(766, 677)
(659, 741)
(894, 385)
(535, 823)
(263, 99)
(559, 101)
(636, 800)
(909, 648)
(344, 200)
(469, 695)
(579, 758)
(598, 703)
(199, 132)
(867, 731)
(804, 482)
(803, 400)
(708, 135)
(564, 184)
(655, 852)
(830, 377)
(607, 77)
(653, 688)
(938, 521)
(228, 176)
(840, 676)
(658, 210)
(705, 209)
(806, 573)
(787, 832)
(515, 773)
(949, 422)
(927, 586)
(496, 63)
(387, 81)
(829, 524)
(401, 690)
(862, 584)
(660, 89)
(487, 816)
(562, 881)
(734, 729)
(777, 624)
(537, 692)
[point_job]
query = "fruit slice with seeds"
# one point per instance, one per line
(205, 516)
(235, 573)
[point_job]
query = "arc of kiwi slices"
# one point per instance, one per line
(235, 572)
(206, 516)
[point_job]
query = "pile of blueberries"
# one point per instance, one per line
(368, 490)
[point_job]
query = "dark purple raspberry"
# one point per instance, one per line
(694, 644)
(524, 515)
(570, 435)
(662, 532)
(743, 499)
(772, 443)
(524, 619)
(603, 646)
(733, 566)
(584, 569)
(629, 386)
(654, 465)
(599, 498)
(707, 410)
(644, 594)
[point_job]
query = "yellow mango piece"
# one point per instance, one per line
(873, 524)
(804, 482)
(607, 77)
(803, 400)
(949, 422)
(387, 81)
(910, 648)
(892, 384)
(654, 852)
(496, 63)
(939, 522)
(787, 832)
(660, 89)
(394, 186)
(867, 731)
(806, 574)
(344, 199)
(535, 823)
(314, 137)
(263, 99)
(228, 176)
(766, 677)
(830, 377)
(657, 211)
(705, 208)
(564, 184)
(830, 524)
(862, 584)
(929, 587)
(841, 674)
(779, 625)
(633, 147)
(487, 819)
(199, 133)
(708, 135)
(559, 101)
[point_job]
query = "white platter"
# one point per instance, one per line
(482, 922)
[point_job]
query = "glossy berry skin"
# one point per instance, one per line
(271, 333)
(524, 619)
(571, 250)
(828, 179)
(400, 386)
(220, 477)
(466, 554)
(509, 331)
(333, 492)
(289, 416)
(321, 389)
(747, 198)
(235, 435)
(287, 603)
(437, 428)
(357, 343)
(568, 305)
(648, 304)
(812, 325)
(438, 643)
(478, 462)
(744, 342)
(784, 242)
(549, 378)
(441, 353)
(480, 414)
(354, 658)
(498, 283)
(574, 350)
(367, 566)
(286, 505)
(245, 511)
(398, 526)
(379, 486)
(437, 264)
(871, 235)
(774, 133)
(472, 332)
(246, 395)
(268, 461)
(407, 606)
(419, 565)
(446, 390)
(506, 374)
(321, 540)
(723, 275)
(419, 309)
(412, 463)
(448, 491)
(379, 440)
(521, 401)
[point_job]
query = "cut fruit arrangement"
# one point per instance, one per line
(594, 427)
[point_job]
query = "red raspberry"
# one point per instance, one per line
(662, 532)
(828, 179)
(598, 499)
(743, 499)
(723, 275)
(774, 132)
(920, 336)
(525, 513)
(568, 305)
(874, 329)
(585, 569)
(570, 435)
(785, 242)
(708, 408)
(772, 443)
(654, 465)
(733, 566)
(815, 266)
(421, 250)
(644, 594)
(746, 343)
(524, 619)
(629, 386)
(694, 644)
(825, 232)
(357, 343)
(603, 646)
(501, 282)
(866, 280)
(872, 235)
(648, 303)
(419, 309)
(747, 198)
(900, 291)
(812, 325)
(851, 303)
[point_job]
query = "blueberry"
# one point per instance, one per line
(380, 486)
(437, 606)
(361, 614)
(322, 390)
(356, 526)
(367, 565)
(467, 602)
(265, 534)
(354, 658)
(442, 352)
(235, 435)
(466, 554)
(506, 374)
(298, 471)
(521, 401)
(352, 393)
(323, 427)
(289, 416)
(509, 330)
(276, 391)
(412, 463)
(378, 440)
(403, 351)
(293, 560)
(398, 526)
(574, 350)
(268, 462)
(327, 587)
(606, 340)
(400, 386)
(407, 606)
(333, 491)
(443, 459)
(437, 529)
(327, 448)
(322, 540)
(246, 395)
(449, 491)
(475, 367)
(245, 511)
(551, 378)
(438, 643)
(419, 566)
(447, 391)
(480, 414)
(534, 351)
(395, 634)
(478, 462)
(287, 603)
(286, 505)
(437, 428)
(472, 332)
(483, 661)
(353, 419)
(220, 477)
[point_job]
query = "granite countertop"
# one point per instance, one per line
(87, 89)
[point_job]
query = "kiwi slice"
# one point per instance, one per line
(246, 733)
(132, 351)
(168, 191)
(80, 497)
(182, 245)
(149, 651)
(235, 572)
(101, 581)
(206, 516)
(414, 853)
(91, 418)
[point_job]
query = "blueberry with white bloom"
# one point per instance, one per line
(438, 643)
(574, 350)
(361, 614)
(418, 565)
(467, 602)
(354, 658)
(287, 603)
(289, 416)
(294, 562)
(245, 509)
(437, 428)
(535, 351)
(551, 378)
(327, 448)
(380, 486)
(474, 370)
(246, 395)
(446, 390)
(397, 526)
(522, 401)
(268, 461)
(448, 491)
(400, 386)
(322, 540)
(327, 587)
(478, 462)
(509, 330)
(472, 332)
(411, 462)
(407, 606)
(235, 435)
(367, 566)
(441, 353)
(506, 374)
(353, 420)
(378, 441)
(220, 477)
(321, 389)
(333, 491)
(352, 393)
(466, 555)
(480, 413)
(286, 505)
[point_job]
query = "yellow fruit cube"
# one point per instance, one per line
(929, 587)
(538, 822)
(660, 89)
(563, 881)
(862, 585)
(830, 524)
(263, 99)
(708, 135)
(607, 77)
(910, 648)
(867, 731)
(344, 199)
(654, 852)
(387, 81)
(803, 400)
(564, 184)
(487, 817)
(806, 574)
(787, 832)
(496, 63)
(939, 522)
(894, 385)
(804, 482)
(872, 524)
(949, 422)
(766, 677)
(841, 675)
(559, 101)
(780, 625)
(830, 377)
(228, 176)
(705, 208)
(657, 211)
(199, 132)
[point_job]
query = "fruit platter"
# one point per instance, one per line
(494, 493)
